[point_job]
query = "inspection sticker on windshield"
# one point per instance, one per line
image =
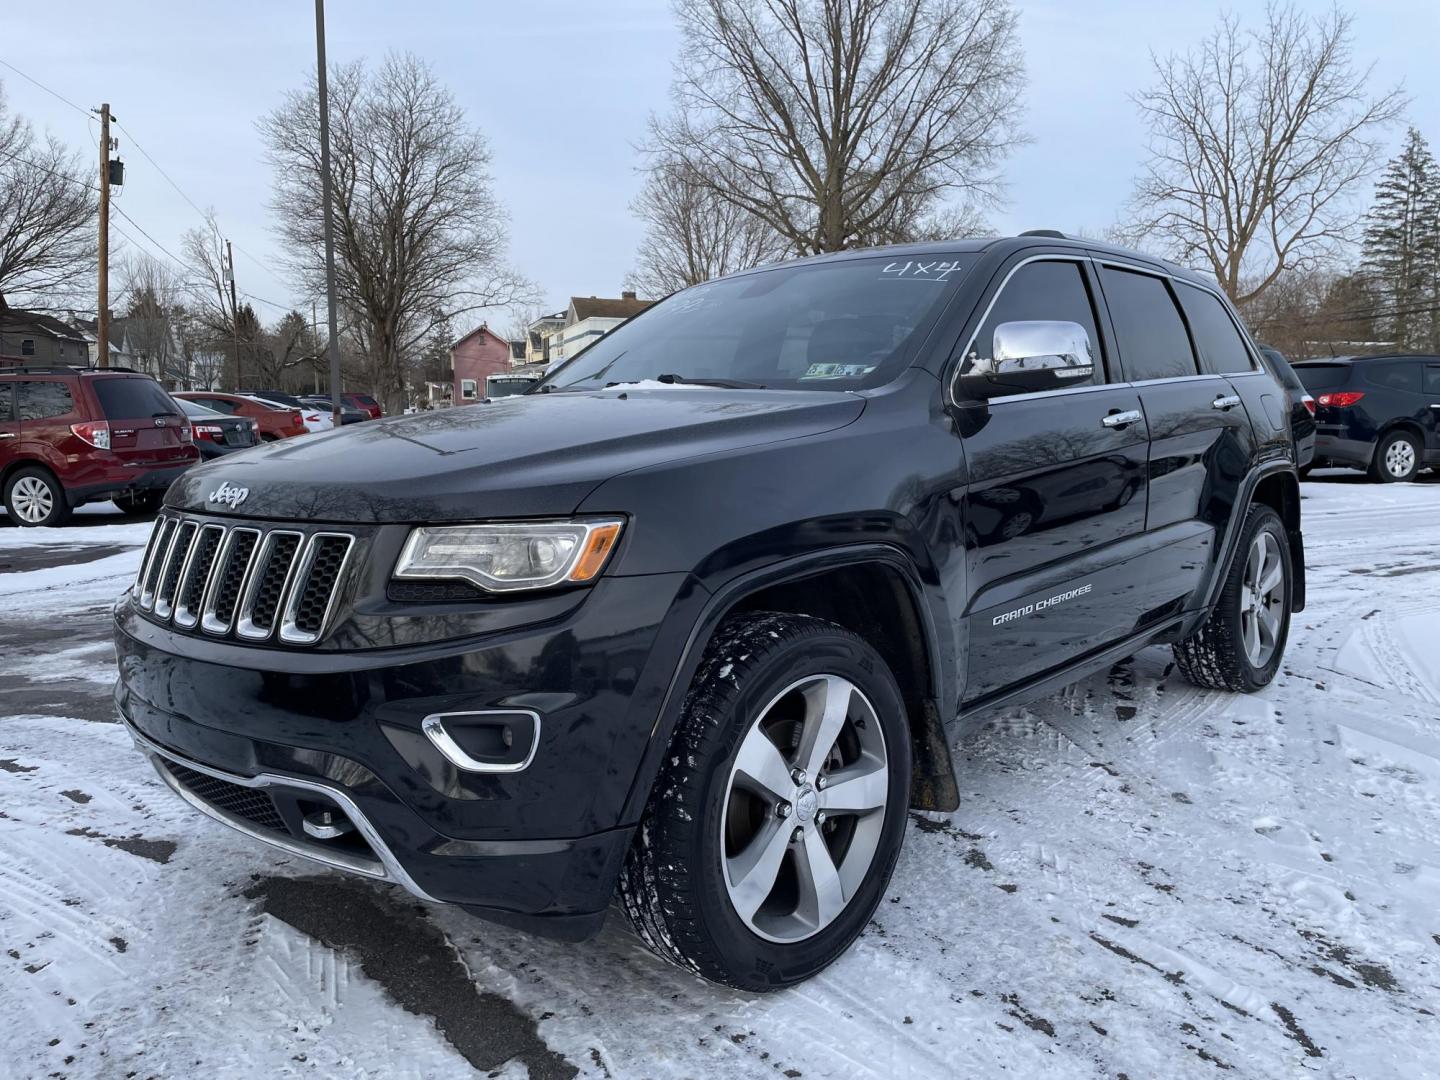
(915, 270)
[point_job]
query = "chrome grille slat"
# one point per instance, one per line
(176, 558)
(195, 578)
(316, 586)
(253, 583)
(269, 585)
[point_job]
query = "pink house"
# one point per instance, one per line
(479, 353)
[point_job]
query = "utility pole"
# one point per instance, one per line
(102, 314)
(315, 333)
(234, 313)
(331, 346)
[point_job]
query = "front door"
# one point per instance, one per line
(1055, 502)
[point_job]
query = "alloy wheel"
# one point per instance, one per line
(1262, 599)
(1400, 459)
(804, 808)
(32, 499)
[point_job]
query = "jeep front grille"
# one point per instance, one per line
(254, 583)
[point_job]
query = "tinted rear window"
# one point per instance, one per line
(132, 399)
(1394, 376)
(1153, 341)
(1321, 377)
(1222, 349)
(363, 399)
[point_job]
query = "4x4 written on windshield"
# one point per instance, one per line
(825, 325)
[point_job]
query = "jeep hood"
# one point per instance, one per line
(528, 456)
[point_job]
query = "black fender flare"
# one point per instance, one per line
(933, 784)
(1231, 541)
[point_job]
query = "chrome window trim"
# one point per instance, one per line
(208, 622)
(244, 627)
(180, 615)
(289, 632)
(434, 728)
(388, 867)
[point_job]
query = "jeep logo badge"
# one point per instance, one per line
(229, 495)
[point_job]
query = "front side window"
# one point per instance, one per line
(1148, 328)
(1222, 349)
(42, 400)
(1042, 291)
(823, 326)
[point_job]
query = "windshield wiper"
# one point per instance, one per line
(724, 384)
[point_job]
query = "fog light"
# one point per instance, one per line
(485, 741)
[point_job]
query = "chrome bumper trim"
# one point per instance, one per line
(387, 869)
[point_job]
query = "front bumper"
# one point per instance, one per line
(539, 848)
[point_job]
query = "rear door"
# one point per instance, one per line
(1055, 499)
(1431, 388)
(9, 425)
(1200, 437)
(146, 426)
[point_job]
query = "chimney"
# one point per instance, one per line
(627, 294)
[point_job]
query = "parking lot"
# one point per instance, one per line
(1143, 878)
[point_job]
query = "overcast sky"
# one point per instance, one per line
(562, 91)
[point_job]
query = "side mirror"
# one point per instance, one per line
(1030, 356)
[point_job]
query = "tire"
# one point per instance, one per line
(139, 503)
(1397, 457)
(1219, 655)
(679, 885)
(35, 499)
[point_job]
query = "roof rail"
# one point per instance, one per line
(6, 368)
(1053, 234)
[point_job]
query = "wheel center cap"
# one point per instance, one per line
(806, 803)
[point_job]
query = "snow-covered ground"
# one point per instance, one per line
(1144, 879)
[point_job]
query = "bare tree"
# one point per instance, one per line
(227, 331)
(1258, 141)
(837, 122)
(151, 294)
(419, 235)
(692, 234)
(47, 211)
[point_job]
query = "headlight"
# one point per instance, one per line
(511, 556)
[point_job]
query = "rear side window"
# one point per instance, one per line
(1044, 291)
(1151, 334)
(1394, 376)
(1222, 349)
(132, 399)
(1432, 383)
(42, 400)
(1318, 378)
(7, 403)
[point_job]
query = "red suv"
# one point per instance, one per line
(70, 436)
(362, 401)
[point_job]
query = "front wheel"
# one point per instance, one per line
(1241, 644)
(778, 815)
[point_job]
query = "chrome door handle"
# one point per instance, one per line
(1121, 419)
(1229, 401)
(11, 434)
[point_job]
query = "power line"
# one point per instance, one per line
(53, 93)
(163, 173)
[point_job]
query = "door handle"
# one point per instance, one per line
(7, 435)
(1121, 419)
(1229, 401)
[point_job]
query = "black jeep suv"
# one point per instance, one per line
(696, 619)
(1377, 413)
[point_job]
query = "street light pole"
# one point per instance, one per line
(331, 346)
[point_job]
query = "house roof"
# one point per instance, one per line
(15, 320)
(602, 307)
(481, 329)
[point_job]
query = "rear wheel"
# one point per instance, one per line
(34, 497)
(1241, 644)
(139, 503)
(1397, 457)
(779, 813)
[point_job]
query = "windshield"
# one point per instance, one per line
(827, 325)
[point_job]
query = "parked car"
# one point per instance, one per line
(69, 436)
(1301, 405)
(314, 419)
(349, 414)
(514, 381)
(275, 421)
(1377, 413)
(217, 434)
(363, 401)
(698, 618)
